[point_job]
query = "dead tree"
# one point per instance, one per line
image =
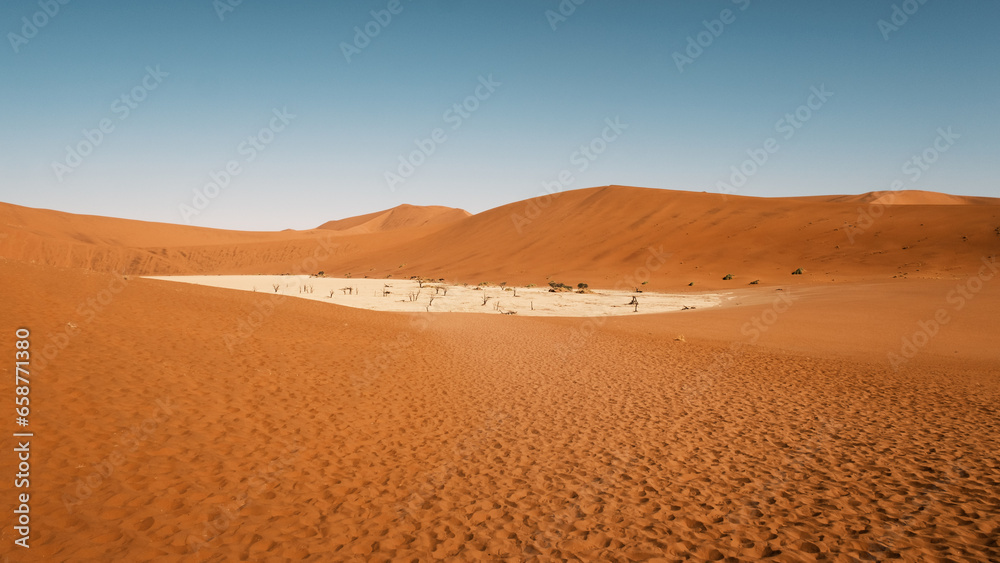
(485, 298)
(276, 286)
(635, 302)
(332, 292)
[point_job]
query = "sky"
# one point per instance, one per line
(242, 114)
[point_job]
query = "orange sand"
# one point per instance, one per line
(233, 426)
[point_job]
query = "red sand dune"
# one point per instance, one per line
(915, 197)
(399, 217)
(600, 236)
(183, 423)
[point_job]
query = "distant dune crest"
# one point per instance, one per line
(607, 237)
(400, 217)
(914, 197)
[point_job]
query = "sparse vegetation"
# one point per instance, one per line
(727, 277)
(690, 284)
(585, 286)
(556, 286)
(798, 272)
(755, 282)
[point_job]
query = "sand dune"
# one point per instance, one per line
(914, 197)
(323, 433)
(176, 422)
(600, 236)
(399, 217)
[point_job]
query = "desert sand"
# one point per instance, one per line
(179, 422)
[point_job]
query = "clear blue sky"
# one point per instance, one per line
(225, 77)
